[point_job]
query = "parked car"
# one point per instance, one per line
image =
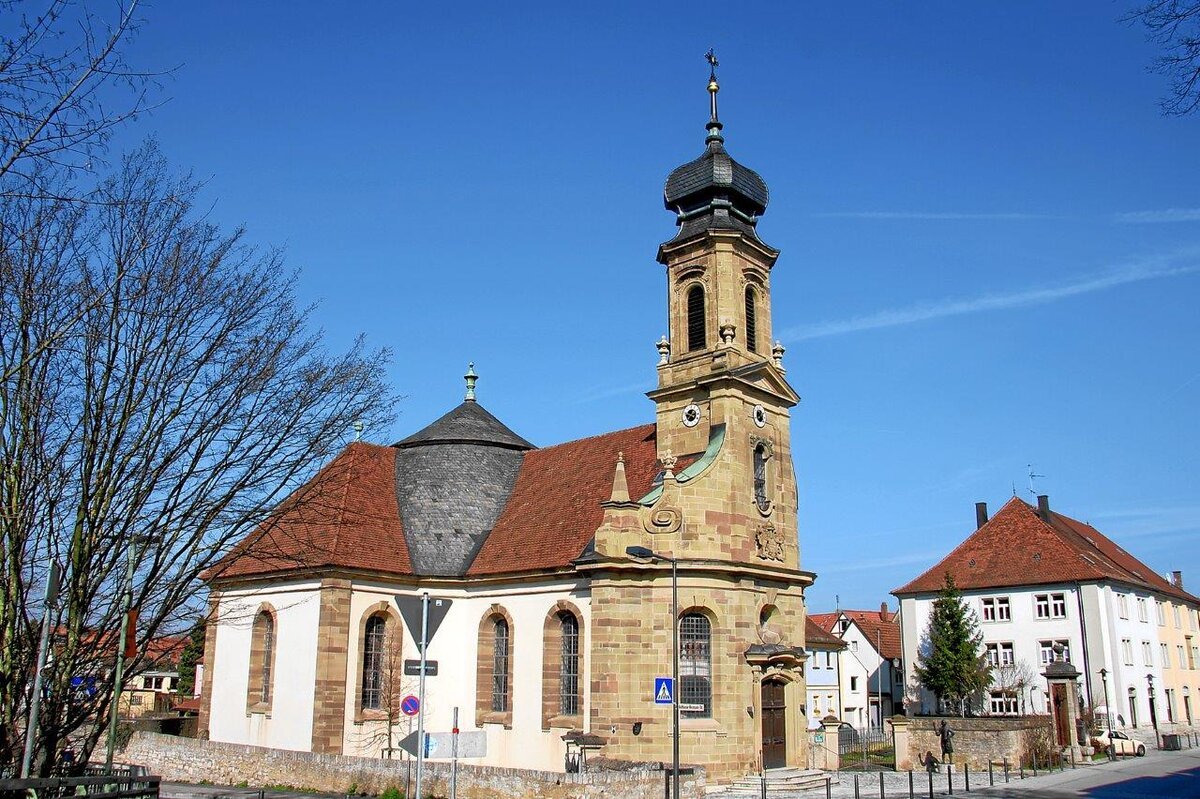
(1121, 743)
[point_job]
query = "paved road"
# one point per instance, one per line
(1156, 776)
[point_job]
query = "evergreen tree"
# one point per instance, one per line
(193, 650)
(951, 664)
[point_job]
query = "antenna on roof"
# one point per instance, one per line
(358, 429)
(1032, 492)
(837, 602)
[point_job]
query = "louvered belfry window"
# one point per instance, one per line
(568, 674)
(374, 637)
(751, 326)
(695, 664)
(500, 666)
(760, 477)
(695, 318)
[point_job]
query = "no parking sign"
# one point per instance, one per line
(410, 705)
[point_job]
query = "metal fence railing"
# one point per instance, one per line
(112, 786)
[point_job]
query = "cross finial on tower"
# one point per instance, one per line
(714, 124)
(471, 378)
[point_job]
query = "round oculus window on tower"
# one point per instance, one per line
(759, 415)
(691, 415)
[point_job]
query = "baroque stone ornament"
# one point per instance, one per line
(662, 520)
(769, 541)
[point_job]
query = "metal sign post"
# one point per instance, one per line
(421, 691)
(35, 702)
(454, 758)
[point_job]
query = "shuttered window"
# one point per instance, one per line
(751, 322)
(695, 318)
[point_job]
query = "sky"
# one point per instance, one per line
(990, 234)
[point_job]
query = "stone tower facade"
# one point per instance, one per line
(724, 509)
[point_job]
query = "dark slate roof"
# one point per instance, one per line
(715, 192)
(453, 479)
(469, 423)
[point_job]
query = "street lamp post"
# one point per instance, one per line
(1107, 707)
(1153, 713)
(134, 553)
(642, 553)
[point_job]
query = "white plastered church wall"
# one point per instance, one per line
(289, 723)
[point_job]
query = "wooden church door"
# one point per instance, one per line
(774, 725)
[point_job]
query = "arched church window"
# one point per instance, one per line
(262, 661)
(568, 674)
(374, 642)
(695, 664)
(751, 323)
(696, 335)
(760, 478)
(500, 665)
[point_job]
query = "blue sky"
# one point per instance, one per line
(990, 236)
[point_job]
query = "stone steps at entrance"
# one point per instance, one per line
(779, 781)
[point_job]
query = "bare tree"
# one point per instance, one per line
(1175, 24)
(1014, 678)
(183, 396)
(64, 86)
(379, 733)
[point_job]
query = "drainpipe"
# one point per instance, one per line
(1087, 667)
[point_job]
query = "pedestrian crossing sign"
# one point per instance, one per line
(664, 690)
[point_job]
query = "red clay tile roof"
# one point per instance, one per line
(346, 516)
(875, 629)
(825, 621)
(1017, 547)
(165, 650)
(554, 508)
(815, 636)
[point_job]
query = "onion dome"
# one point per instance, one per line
(714, 191)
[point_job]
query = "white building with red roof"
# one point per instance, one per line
(557, 621)
(1036, 579)
(870, 668)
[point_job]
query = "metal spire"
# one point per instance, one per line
(714, 123)
(471, 378)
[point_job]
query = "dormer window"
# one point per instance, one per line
(751, 328)
(696, 334)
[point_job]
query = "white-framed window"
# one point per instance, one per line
(1175, 613)
(1123, 606)
(1182, 656)
(1127, 651)
(854, 646)
(1147, 654)
(1143, 614)
(1195, 655)
(1050, 606)
(1160, 613)
(1000, 653)
(1046, 650)
(996, 609)
(1165, 654)
(1003, 703)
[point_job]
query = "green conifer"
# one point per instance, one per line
(951, 664)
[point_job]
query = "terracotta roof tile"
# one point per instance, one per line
(345, 516)
(1017, 547)
(814, 635)
(554, 508)
(825, 621)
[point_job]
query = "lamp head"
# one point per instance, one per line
(640, 553)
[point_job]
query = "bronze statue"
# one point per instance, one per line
(947, 737)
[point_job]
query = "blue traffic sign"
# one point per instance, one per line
(409, 705)
(664, 690)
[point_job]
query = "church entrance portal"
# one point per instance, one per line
(774, 725)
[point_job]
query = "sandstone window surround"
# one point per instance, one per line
(494, 668)
(996, 609)
(695, 664)
(562, 665)
(1054, 606)
(378, 664)
(751, 320)
(260, 683)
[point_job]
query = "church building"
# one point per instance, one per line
(554, 564)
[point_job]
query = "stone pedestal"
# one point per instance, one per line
(1062, 680)
(900, 735)
(825, 745)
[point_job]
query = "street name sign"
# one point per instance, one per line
(412, 668)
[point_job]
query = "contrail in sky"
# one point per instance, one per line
(1166, 215)
(1150, 269)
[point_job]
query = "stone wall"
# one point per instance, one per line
(188, 760)
(978, 741)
